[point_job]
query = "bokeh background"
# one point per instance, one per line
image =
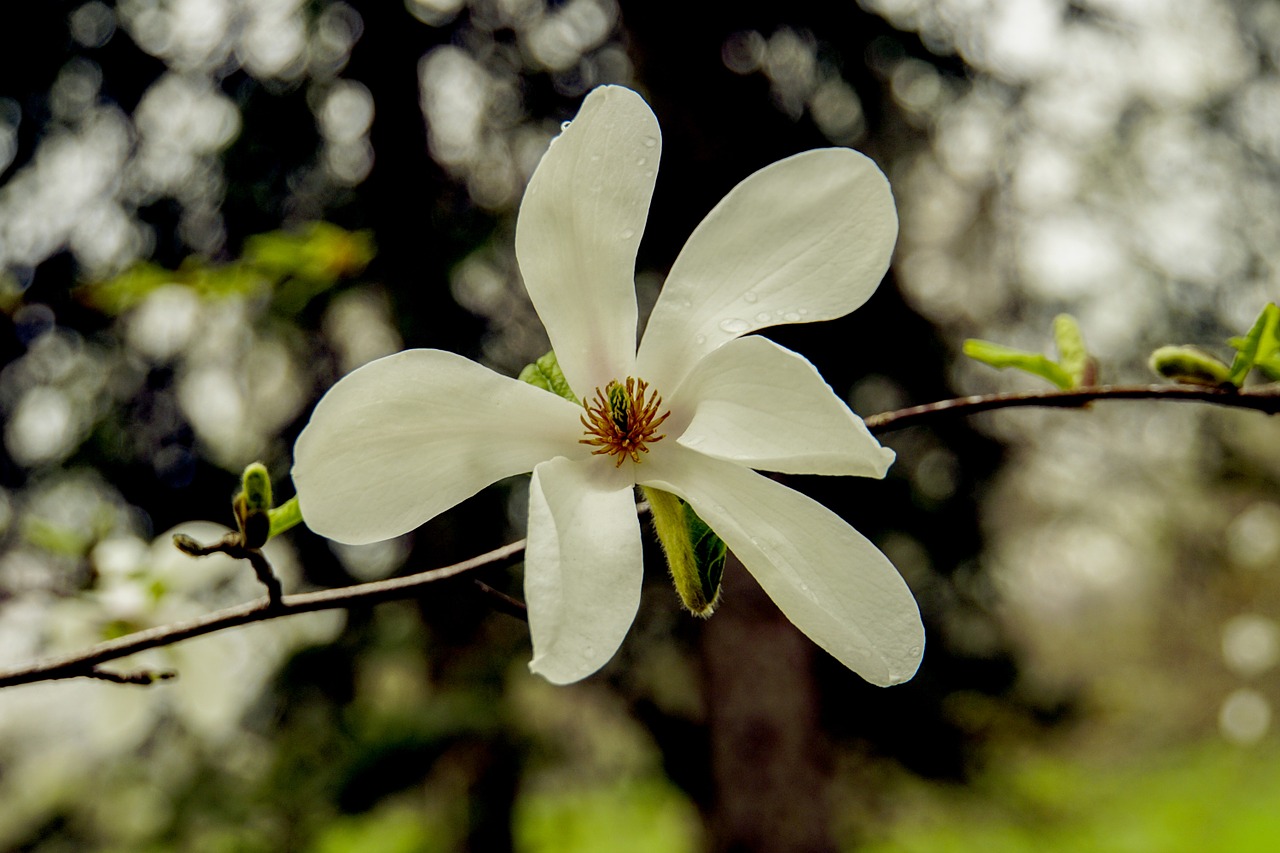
(212, 209)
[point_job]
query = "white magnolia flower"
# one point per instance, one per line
(808, 238)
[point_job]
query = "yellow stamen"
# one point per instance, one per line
(620, 422)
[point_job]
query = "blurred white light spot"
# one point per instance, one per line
(1070, 255)
(274, 38)
(916, 85)
(837, 111)
(358, 323)
(374, 561)
(434, 13)
(1250, 644)
(347, 112)
(563, 35)
(936, 474)
(1253, 537)
(743, 53)
(1245, 716)
(41, 427)
(93, 24)
(454, 95)
(212, 400)
(162, 325)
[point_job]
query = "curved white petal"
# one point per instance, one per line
(583, 566)
(807, 238)
(832, 583)
(762, 405)
(576, 236)
(408, 436)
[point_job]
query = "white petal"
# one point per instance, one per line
(576, 236)
(408, 436)
(583, 566)
(832, 583)
(763, 406)
(807, 238)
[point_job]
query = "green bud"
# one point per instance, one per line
(252, 506)
(1190, 365)
(695, 555)
(257, 487)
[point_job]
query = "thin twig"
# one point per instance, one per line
(85, 663)
(1263, 401)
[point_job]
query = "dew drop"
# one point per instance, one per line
(699, 339)
(650, 142)
(749, 296)
(642, 161)
(763, 317)
(564, 125)
(804, 311)
(734, 326)
(914, 651)
(628, 233)
(791, 317)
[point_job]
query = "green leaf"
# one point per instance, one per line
(1190, 366)
(1260, 348)
(998, 355)
(1073, 356)
(285, 516)
(545, 374)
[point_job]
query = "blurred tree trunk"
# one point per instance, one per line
(770, 761)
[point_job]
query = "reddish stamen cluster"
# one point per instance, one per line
(620, 422)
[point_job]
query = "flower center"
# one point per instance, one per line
(620, 422)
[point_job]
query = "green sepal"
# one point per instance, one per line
(1190, 366)
(695, 555)
(545, 373)
(998, 355)
(709, 554)
(1260, 348)
(1073, 356)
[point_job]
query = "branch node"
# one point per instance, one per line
(142, 677)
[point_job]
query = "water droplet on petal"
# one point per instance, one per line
(734, 326)
(764, 317)
(749, 296)
(791, 317)
(650, 142)
(564, 125)
(642, 161)
(914, 651)
(628, 233)
(699, 339)
(804, 311)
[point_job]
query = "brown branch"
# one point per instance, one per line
(1267, 401)
(85, 663)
